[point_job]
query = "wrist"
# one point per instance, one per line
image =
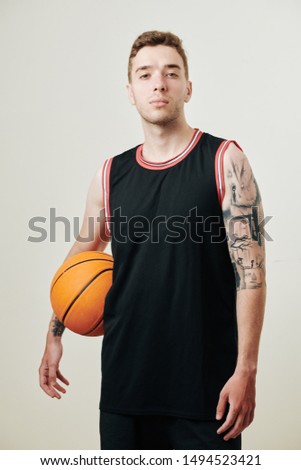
(51, 339)
(246, 369)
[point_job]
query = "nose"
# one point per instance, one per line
(161, 87)
(159, 83)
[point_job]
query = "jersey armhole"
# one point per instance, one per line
(106, 169)
(219, 168)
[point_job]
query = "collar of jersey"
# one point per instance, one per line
(172, 161)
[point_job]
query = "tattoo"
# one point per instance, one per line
(58, 327)
(243, 217)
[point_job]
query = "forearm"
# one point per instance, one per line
(55, 329)
(250, 313)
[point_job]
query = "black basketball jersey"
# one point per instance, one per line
(170, 341)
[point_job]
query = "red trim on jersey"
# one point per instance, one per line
(219, 168)
(106, 194)
(172, 161)
(102, 185)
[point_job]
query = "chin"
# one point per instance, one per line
(160, 117)
(161, 120)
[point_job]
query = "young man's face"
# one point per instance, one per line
(159, 88)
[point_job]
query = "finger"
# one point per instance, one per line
(248, 419)
(231, 417)
(244, 425)
(50, 392)
(44, 382)
(221, 406)
(44, 385)
(237, 428)
(62, 378)
(52, 382)
(52, 374)
(251, 416)
(57, 386)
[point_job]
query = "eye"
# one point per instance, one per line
(144, 76)
(172, 74)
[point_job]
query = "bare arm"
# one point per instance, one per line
(94, 240)
(243, 213)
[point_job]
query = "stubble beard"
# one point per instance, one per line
(165, 120)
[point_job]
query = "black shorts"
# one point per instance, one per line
(122, 431)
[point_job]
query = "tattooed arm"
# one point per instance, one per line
(49, 372)
(243, 217)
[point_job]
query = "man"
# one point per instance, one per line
(184, 315)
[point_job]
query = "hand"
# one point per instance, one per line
(239, 392)
(49, 370)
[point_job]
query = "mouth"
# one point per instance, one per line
(159, 102)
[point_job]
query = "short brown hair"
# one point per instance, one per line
(157, 38)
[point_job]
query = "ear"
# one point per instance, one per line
(130, 93)
(189, 91)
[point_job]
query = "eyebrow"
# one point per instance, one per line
(167, 66)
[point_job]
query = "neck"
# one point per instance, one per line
(163, 142)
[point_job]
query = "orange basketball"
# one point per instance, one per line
(78, 291)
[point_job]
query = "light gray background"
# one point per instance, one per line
(64, 109)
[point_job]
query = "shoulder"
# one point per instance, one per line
(211, 141)
(119, 162)
(126, 153)
(221, 147)
(230, 162)
(234, 152)
(236, 160)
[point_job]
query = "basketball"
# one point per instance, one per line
(78, 291)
